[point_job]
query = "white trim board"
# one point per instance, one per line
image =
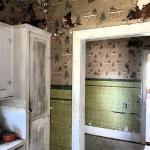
(78, 79)
(113, 134)
(12, 145)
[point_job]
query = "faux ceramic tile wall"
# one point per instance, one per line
(109, 104)
(113, 104)
(60, 125)
(60, 119)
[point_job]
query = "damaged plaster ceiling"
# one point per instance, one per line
(21, 2)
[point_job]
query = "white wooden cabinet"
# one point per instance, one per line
(31, 83)
(6, 50)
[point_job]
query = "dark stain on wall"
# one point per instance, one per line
(90, 1)
(135, 14)
(133, 42)
(68, 19)
(2, 6)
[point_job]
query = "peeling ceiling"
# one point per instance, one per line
(23, 1)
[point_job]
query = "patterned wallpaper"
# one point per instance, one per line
(90, 14)
(61, 17)
(114, 59)
(109, 59)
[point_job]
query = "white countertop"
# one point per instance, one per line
(7, 146)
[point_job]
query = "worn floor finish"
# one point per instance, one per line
(99, 143)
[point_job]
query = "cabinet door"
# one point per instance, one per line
(39, 90)
(5, 63)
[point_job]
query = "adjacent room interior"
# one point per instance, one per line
(113, 92)
(91, 112)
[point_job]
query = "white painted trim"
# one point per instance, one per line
(114, 134)
(145, 98)
(78, 120)
(114, 32)
(78, 79)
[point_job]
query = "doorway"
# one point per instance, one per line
(113, 87)
(79, 129)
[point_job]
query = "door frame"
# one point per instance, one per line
(146, 103)
(78, 83)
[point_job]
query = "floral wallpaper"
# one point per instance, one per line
(115, 59)
(68, 15)
(61, 17)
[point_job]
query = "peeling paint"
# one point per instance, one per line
(68, 18)
(90, 1)
(138, 13)
(146, 11)
(142, 3)
(134, 14)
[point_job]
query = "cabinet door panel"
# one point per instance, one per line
(39, 72)
(39, 91)
(5, 63)
(39, 131)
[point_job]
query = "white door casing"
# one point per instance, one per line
(78, 83)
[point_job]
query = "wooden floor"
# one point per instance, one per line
(99, 143)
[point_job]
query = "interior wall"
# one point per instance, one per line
(85, 14)
(62, 17)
